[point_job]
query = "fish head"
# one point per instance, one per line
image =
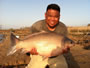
(68, 43)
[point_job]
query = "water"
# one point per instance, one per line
(1, 37)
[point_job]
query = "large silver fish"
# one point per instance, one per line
(47, 44)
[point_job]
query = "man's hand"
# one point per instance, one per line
(66, 50)
(34, 51)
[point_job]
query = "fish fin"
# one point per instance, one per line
(12, 51)
(44, 57)
(14, 39)
(23, 51)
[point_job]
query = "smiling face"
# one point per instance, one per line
(52, 17)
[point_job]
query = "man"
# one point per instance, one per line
(50, 24)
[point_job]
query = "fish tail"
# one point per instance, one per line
(12, 50)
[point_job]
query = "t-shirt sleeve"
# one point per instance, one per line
(62, 29)
(36, 27)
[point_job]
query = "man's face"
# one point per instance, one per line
(52, 17)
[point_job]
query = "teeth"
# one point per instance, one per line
(52, 22)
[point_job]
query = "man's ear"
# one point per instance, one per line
(45, 14)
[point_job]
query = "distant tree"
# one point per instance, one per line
(12, 30)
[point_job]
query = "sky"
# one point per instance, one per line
(24, 13)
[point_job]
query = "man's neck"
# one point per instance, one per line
(51, 29)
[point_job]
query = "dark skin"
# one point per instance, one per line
(52, 19)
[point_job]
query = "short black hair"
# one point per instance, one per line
(53, 6)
